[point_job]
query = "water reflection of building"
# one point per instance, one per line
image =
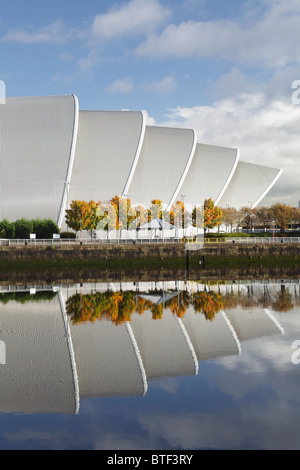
(40, 372)
(51, 363)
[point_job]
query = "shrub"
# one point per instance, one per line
(68, 235)
(23, 228)
(44, 228)
(7, 229)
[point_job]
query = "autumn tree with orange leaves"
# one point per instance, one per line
(212, 214)
(82, 215)
(208, 216)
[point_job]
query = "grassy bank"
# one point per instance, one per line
(236, 262)
(194, 262)
(101, 264)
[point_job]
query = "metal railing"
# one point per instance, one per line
(118, 241)
(85, 241)
(254, 240)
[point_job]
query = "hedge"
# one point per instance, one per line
(22, 228)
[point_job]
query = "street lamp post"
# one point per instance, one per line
(182, 199)
(228, 207)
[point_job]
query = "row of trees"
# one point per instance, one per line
(119, 214)
(278, 215)
(22, 228)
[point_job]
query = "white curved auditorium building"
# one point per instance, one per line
(51, 153)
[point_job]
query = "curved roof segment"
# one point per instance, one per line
(249, 185)
(107, 152)
(38, 137)
(165, 157)
(209, 174)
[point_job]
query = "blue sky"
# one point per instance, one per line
(223, 67)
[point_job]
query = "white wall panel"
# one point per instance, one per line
(38, 376)
(107, 150)
(252, 323)
(36, 142)
(165, 154)
(209, 173)
(211, 339)
(107, 361)
(249, 184)
(164, 345)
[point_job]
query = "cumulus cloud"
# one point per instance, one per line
(250, 41)
(56, 32)
(121, 85)
(265, 130)
(166, 85)
(136, 16)
(89, 61)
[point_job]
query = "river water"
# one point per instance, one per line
(150, 365)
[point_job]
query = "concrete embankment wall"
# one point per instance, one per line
(255, 250)
(109, 263)
(159, 251)
(92, 252)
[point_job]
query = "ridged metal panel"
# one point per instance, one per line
(163, 159)
(106, 360)
(164, 347)
(107, 149)
(248, 185)
(37, 376)
(211, 339)
(36, 138)
(251, 324)
(210, 171)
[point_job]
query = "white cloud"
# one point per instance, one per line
(150, 121)
(56, 32)
(190, 39)
(136, 16)
(269, 40)
(123, 85)
(89, 61)
(266, 132)
(166, 85)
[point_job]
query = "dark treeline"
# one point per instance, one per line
(22, 228)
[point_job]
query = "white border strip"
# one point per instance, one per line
(189, 343)
(187, 167)
(233, 332)
(70, 163)
(277, 324)
(236, 161)
(138, 356)
(268, 188)
(71, 351)
(137, 155)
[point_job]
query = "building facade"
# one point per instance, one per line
(51, 153)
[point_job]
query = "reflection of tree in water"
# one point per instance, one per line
(283, 301)
(179, 303)
(208, 303)
(119, 306)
